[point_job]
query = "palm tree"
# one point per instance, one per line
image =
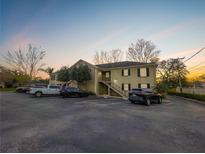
(49, 71)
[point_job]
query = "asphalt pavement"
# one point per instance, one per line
(93, 124)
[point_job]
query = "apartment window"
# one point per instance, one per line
(143, 85)
(143, 72)
(125, 72)
(107, 74)
(148, 85)
(126, 86)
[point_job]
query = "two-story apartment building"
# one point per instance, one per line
(116, 79)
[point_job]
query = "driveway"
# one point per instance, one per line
(52, 124)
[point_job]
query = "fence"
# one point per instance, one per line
(192, 90)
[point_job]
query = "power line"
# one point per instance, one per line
(196, 65)
(194, 54)
(199, 68)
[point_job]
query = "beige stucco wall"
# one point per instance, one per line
(103, 90)
(133, 79)
(116, 74)
(90, 85)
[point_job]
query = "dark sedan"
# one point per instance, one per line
(24, 89)
(72, 92)
(146, 96)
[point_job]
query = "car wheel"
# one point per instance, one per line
(80, 95)
(160, 100)
(67, 95)
(133, 102)
(38, 94)
(148, 102)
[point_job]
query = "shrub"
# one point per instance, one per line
(7, 89)
(192, 96)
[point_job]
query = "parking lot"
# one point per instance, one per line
(93, 124)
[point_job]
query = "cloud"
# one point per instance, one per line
(183, 53)
(180, 27)
(107, 39)
(19, 40)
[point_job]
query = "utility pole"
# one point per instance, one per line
(179, 76)
(180, 84)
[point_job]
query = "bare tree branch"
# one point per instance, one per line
(114, 55)
(142, 51)
(28, 62)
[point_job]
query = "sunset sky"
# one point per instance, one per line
(70, 30)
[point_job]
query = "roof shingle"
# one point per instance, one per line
(121, 64)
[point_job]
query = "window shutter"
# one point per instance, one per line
(148, 85)
(138, 72)
(139, 85)
(122, 72)
(129, 72)
(123, 86)
(129, 86)
(147, 71)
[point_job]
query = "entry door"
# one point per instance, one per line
(107, 76)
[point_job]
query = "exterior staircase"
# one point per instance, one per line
(115, 88)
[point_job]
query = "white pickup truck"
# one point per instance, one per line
(49, 90)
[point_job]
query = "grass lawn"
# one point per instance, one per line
(192, 96)
(7, 89)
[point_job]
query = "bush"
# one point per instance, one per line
(192, 96)
(162, 89)
(7, 89)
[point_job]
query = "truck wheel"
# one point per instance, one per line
(148, 102)
(38, 94)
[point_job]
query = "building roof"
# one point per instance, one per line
(121, 64)
(79, 61)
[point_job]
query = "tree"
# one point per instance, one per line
(63, 74)
(142, 51)
(13, 78)
(39, 80)
(172, 71)
(21, 79)
(81, 74)
(48, 70)
(111, 56)
(202, 77)
(27, 63)
(6, 76)
(197, 81)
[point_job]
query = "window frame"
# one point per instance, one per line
(147, 85)
(106, 74)
(128, 72)
(128, 86)
(145, 72)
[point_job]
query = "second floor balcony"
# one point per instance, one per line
(104, 76)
